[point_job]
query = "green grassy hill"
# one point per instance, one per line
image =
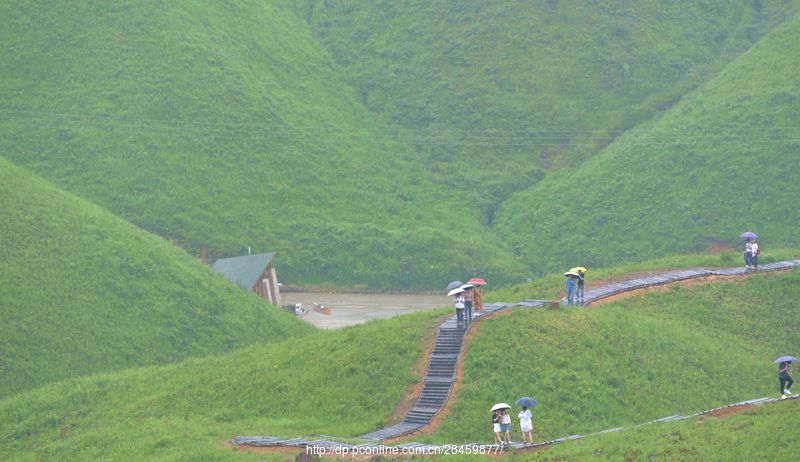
(682, 351)
(370, 145)
(632, 361)
(83, 291)
(509, 90)
(722, 161)
(346, 381)
(220, 125)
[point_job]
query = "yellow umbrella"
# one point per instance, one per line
(578, 269)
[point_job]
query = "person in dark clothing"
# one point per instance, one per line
(785, 379)
(579, 291)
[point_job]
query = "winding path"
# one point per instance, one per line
(440, 375)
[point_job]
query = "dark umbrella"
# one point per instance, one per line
(454, 284)
(526, 402)
(749, 235)
(786, 359)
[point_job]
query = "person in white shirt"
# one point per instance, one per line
(754, 255)
(505, 425)
(526, 424)
(748, 253)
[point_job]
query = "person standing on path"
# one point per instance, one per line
(477, 295)
(496, 418)
(755, 250)
(570, 289)
(458, 300)
(526, 424)
(748, 253)
(505, 425)
(785, 379)
(468, 299)
(579, 291)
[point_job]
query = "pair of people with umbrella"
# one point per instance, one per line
(501, 421)
(466, 297)
(751, 250)
(576, 278)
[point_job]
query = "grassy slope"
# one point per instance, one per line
(220, 125)
(83, 291)
(343, 382)
(580, 364)
(507, 90)
(723, 161)
(552, 287)
(629, 362)
(761, 434)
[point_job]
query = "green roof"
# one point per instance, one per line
(244, 271)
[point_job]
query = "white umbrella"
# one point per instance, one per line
(499, 406)
(457, 290)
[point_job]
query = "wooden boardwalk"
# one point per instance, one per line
(440, 375)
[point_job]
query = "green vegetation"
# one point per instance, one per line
(512, 90)
(762, 433)
(343, 382)
(551, 287)
(632, 361)
(722, 161)
(375, 144)
(83, 291)
(220, 125)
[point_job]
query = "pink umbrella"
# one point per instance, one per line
(477, 282)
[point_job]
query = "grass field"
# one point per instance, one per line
(343, 382)
(721, 162)
(382, 146)
(621, 364)
(83, 291)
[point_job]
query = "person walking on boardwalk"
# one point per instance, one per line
(468, 299)
(755, 251)
(496, 418)
(785, 378)
(526, 424)
(748, 253)
(458, 300)
(477, 296)
(505, 425)
(570, 289)
(579, 291)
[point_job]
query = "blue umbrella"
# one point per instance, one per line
(749, 235)
(526, 402)
(786, 359)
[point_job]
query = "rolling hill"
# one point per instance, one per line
(371, 145)
(687, 349)
(514, 90)
(722, 161)
(219, 126)
(84, 292)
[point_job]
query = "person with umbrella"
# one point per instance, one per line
(581, 272)
(458, 301)
(748, 248)
(496, 417)
(784, 377)
(526, 418)
(498, 410)
(477, 294)
(570, 287)
(468, 299)
(755, 251)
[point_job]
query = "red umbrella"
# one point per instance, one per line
(477, 282)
